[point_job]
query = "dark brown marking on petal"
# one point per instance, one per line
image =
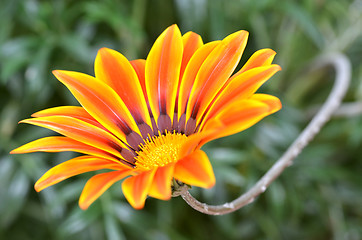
(134, 140)
(125, 128)
(197, 128)
(195, 110)
(164, 123)
(154, 126)
(145, 130)
(175, 126)
(181, 124)
(128, 155)
(114, 145)
(126, 163)
(190, 126)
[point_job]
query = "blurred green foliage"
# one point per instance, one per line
(319, 197)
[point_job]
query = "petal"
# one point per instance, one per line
(191, 42)
(161, 184)
(80, 131)
(70, 111)
(74, 167)
(136, 188)
(62, 144)
(190, 73)
(162, 75)
(116, 71)
(260, 58)
(240, 115)
(139, 65)
(98, 184)
(243, 86)
(195, 170)
(272, 101)
(103, 103)
(214, 72)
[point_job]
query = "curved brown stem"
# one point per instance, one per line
(342, 66)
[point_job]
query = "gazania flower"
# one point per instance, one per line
(146, 120)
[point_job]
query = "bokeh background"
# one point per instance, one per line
(318, 197)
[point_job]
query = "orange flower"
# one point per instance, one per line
(147, 119)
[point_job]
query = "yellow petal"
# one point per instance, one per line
(260, 58)
(70, 111)
(62, 144)
(74, 167)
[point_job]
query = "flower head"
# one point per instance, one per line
(146, 120)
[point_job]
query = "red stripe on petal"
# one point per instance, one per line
(80, 131)
(214, 72)
(243, 86)
(100, 101)
(139, 65)
(190, 73)
(191, 41)
(116, 71)
(162, 72)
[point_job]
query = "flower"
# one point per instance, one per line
(147, 119)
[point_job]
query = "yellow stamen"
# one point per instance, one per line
(160, 150)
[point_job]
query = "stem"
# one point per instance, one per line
(342, 67)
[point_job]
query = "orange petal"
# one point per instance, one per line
(61, 144)
(116, 71)
(195, 170)
(70, 111)
(190, 73)
(260, 58)
(272, 101)
(139, 65)
(191, 42)
(240, 115)
(80, 131)
(74, 167)
(214, 72)
(100, 101)
(161, 184)
(136, 188)
(162, 73)
(98, 184)
(243, 86)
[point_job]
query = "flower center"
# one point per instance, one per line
(160, 150)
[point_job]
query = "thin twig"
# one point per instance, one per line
(342, 67)
(351, 109)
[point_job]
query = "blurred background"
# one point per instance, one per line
(318, 197)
